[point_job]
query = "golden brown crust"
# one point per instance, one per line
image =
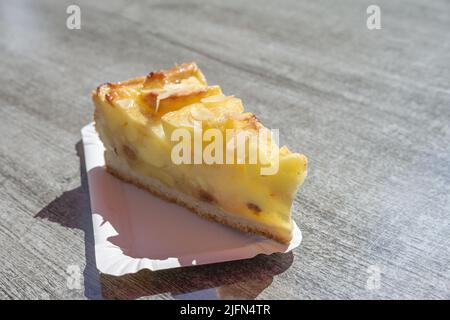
(210, 217)
(111, 88)
(174, 100)
(151, 88)
(157, 79)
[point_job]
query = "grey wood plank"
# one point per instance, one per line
(371, 110)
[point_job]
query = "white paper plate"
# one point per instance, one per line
(134, 230)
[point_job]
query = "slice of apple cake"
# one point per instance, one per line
(187, 142)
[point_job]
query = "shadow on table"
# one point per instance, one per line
(244, 279)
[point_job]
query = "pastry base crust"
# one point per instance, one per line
(204, 210)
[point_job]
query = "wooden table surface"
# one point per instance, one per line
(370, 109)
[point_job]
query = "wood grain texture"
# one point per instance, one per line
(370, 109)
